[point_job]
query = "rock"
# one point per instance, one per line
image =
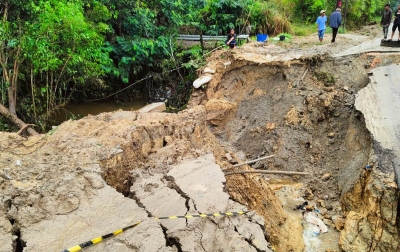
(308, 194)
(321, 203)
(233, 161)
(326, 215)
(228, 63)
(326, 177)
(339, 223)
(270, 126)
(228, 157)
(153, 107)
(331, 134)
(323, 211)
(312, 159)
(346, 88)
(168, 140)
(329, 222)
(209, 70)
(202, 80)
(310, 208)
(219, 111)
(329, 207)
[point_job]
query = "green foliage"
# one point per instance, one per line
(4, 126)
(362, 12)
(58, 50)
(327, 78)
(302, 29)
(55, 48)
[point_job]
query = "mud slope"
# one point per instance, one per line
(301, 110)
(309, 125)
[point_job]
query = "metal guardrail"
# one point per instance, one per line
(208, 37)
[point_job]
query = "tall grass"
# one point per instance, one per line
(301, 29)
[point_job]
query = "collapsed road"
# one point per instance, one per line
(318, 110)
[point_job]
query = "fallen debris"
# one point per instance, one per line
(268, 172)
(248, 162)
(202, 80)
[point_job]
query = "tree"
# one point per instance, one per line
(53, 50)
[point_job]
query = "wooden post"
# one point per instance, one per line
(248, 162)
(268, 172)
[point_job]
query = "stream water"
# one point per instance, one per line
(79, 110)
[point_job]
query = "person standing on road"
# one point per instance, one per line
(385, 21)
(321, 25)
(335, 22)
(231, 39)
(396, 23)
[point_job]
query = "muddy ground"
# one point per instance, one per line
(291, 100)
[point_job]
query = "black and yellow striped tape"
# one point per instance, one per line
(101, 238)
(200, 215)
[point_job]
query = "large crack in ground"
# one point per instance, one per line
(174, 189)
(172, 185)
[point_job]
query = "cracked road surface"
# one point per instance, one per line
(380, 103)
(193, 187)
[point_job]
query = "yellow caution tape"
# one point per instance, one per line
(101, 238)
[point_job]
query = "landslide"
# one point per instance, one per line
(54, 193)
(301, 110)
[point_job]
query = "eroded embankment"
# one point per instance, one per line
(54, 195)
(373, 215)
(302, 111)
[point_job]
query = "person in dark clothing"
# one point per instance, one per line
(335, 22)
(231, 39)
(396, 23)
(385, 21)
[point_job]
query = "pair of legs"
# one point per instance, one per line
(385, 31)
(394, 29)
(334, 33)
(321, 35)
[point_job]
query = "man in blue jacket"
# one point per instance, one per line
(335, 22)
(321, 25)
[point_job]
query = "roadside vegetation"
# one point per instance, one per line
(53, 52)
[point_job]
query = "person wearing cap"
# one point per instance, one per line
(321, 25)
(385, 21)
(335, 22)
(396, 23)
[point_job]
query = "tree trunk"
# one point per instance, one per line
(12, 100)
(15, 120)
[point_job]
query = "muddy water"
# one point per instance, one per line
(79, 110)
